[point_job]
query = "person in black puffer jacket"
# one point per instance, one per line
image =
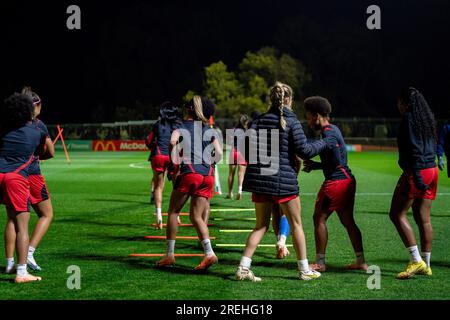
(275, 181)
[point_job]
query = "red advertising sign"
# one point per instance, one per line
(119, 145)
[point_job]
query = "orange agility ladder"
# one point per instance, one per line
(60, 136)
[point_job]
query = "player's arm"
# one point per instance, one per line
(311, 165)
(303, 148)
(151, 138)
(48, 150)
(218, 151)
(416, 155)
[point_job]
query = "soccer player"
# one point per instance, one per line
(158, 142)
(196, 177)
(236, 158)
(338, 190)
(20, 139)
(280, 185)
(39, 195)
(443, 147)
(417, 185)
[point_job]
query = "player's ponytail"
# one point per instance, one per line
(423, 119)
(243, 122)
(168, 113)
(198, 109)
(281, 96)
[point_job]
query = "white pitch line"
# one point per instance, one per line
(243, 245)
(138, 165)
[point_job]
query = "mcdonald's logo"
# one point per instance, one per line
(99, 145)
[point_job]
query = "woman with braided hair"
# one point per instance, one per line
(417, 185)
(277, 186)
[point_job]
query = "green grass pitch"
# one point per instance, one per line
(102, 215)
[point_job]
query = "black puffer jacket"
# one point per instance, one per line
(282, 179)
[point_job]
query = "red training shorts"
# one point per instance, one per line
(236, 158)
(38, 189)
(160, 162)
(15, 191)
(195, 185)
(260, 197)
(336, 195)
(407, 189)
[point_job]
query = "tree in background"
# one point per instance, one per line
(246, 89)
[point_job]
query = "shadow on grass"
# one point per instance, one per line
(121, 201)
(98, 223)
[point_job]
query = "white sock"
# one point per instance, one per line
(207, 247)
(9, 263)
(426, 257)
(170, 247)
(320, 259)
(282, 240)
(240, 189)
(158, 214)
(31, 251)
(415, 255)
(360, 258)
(22, 270)
(245, 262)
(303, 265)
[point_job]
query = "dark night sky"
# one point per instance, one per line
(145, 52)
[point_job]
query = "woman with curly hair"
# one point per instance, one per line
(20, 141)
(39, 195)
(417, 185)
(158, 142)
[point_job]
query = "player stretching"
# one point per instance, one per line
(39, 195)
(338, 190)
(158, 142)
(20, 139)
(279, 186)
(236, 159)
(417, 185)
(196, 178)
(444, 147)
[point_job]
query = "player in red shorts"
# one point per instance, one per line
(338, 190)
(237, 159)
(158, 142)
(277, 183)
(39, 195)
(417, 186)
(20, 139)
(196, 176)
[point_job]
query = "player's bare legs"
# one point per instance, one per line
(20, 220)
(231, 181)
(177, 201)
(281, 229)
(421, 211)
(263, 212)
(198, 207)
(398, 214)
(348, 221)
(10, 245)
(241, 174)
(158, 179)
(320, 218)
(206, 212)
(44, 211)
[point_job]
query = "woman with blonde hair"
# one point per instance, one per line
(280, 187)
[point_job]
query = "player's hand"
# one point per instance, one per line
(441, 163)
(418, 182)
(310, 165)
